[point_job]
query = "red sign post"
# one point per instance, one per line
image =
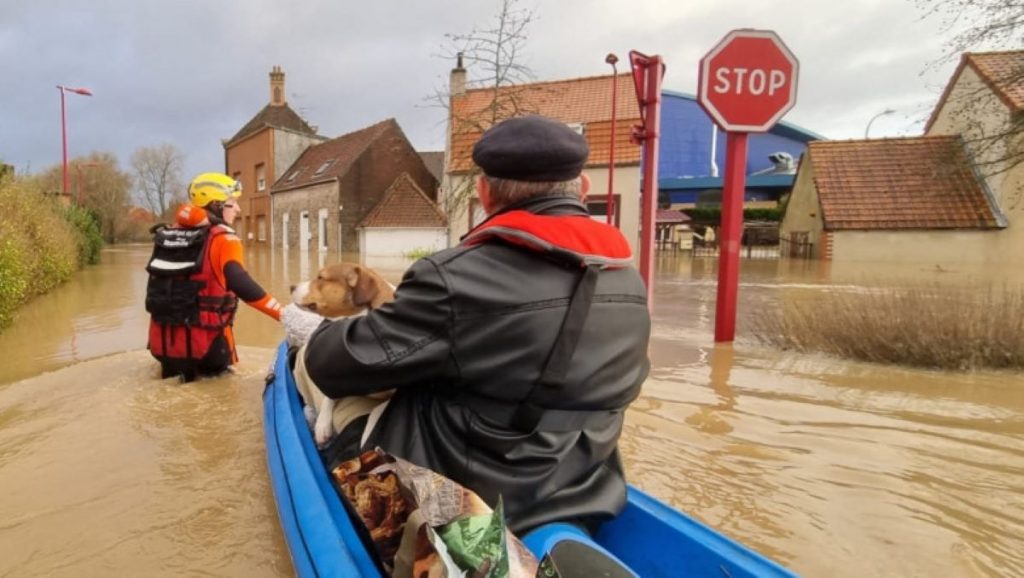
(747, 82)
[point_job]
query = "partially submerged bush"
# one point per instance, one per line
(14, 272)
(39, 248)
(87, 232)
(928, 326)
(417, 253)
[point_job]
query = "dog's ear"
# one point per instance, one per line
(364, 287)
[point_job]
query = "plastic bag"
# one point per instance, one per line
(424, 525)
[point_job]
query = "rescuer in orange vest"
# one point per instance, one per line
(197, 276)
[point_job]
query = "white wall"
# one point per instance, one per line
(627, 186)
(924, 248)
(396, 242)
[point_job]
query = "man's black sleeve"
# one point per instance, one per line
(402, 343)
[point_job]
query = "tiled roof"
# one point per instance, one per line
(405, 205)
(670, 216)
(276, 116)
(331, 159)
(434, 161)
(1003, 72)
(902, 183)
(580, 100)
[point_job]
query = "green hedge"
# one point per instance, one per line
(87, 227)
(42, 244)
(713, 215)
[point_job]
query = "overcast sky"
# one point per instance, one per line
(192, 72)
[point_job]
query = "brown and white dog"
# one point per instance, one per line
(340, 290)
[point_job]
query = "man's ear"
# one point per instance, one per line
(483, 192)
(584, 186)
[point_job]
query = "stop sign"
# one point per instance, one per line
(748, 81)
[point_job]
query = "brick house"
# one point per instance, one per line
(582, 103)
(270, 142)
(320, 199)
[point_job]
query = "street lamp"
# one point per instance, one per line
(612, 59)
(883, 113)
(63, 126)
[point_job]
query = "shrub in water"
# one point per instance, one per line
(937, 326)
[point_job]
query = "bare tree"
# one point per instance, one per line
(100, 186)
(977, 24)
(493, 55)
(158, 176)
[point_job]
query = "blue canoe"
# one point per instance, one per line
(651, 538)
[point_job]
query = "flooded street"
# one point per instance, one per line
(833, 468)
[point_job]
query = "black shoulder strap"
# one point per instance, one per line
(528, 415)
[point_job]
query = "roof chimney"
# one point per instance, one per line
(277, 87)
(457, 80)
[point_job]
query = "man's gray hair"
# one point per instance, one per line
(505, 192)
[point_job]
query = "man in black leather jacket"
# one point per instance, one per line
(514, 355)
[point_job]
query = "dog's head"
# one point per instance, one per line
(343, 290)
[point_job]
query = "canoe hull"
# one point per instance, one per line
(650, 537)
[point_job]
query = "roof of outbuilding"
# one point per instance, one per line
(671, 216)
(579, 100)
(901, 183)
(405, 205)
(332, 159)
(1002, 72)
(274, 116)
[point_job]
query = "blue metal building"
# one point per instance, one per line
(684, 157)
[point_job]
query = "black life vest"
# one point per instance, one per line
(190, 310)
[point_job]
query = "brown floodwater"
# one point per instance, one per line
(832, 467)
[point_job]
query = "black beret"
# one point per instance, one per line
(531, 148)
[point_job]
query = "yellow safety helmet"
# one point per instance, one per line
(209, 187)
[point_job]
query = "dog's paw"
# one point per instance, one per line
(323, 430)
(310, 414)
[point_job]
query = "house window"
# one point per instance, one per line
(261, 177)
(261, 229)
(294, 174)
(597, 206)
(323, 167)
(321, 229)
(577, 127)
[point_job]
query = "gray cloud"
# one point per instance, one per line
(193, 72)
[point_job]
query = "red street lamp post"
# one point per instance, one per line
(612, 59)
(63, 127)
